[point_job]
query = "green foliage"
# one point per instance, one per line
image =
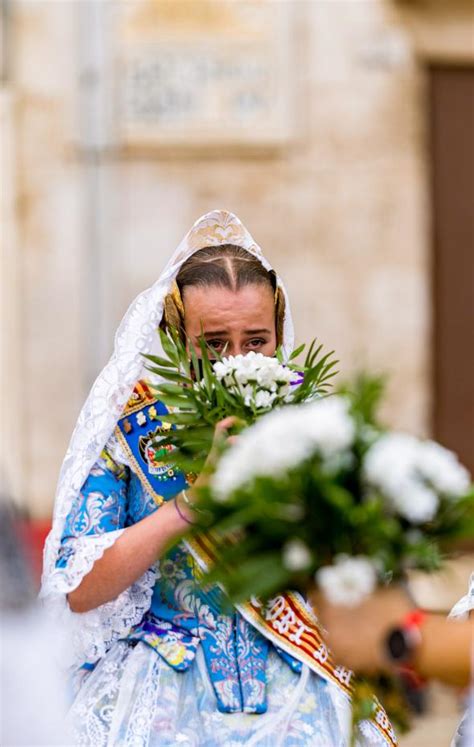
(366, 392)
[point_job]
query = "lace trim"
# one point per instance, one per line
(116, 451)
(91, 634)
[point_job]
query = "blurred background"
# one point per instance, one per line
(339, 131)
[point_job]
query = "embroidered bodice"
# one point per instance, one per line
(183, 615)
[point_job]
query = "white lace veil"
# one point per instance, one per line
(93, 632)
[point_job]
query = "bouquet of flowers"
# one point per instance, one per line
(201, 391)
(319, 491)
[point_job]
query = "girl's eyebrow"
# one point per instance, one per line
(215, 334)
(246, 332)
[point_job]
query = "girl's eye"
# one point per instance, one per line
(216, 344)
(256, 343)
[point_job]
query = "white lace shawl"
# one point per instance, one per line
(93, 632)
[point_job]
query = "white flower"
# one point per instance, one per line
(296, 555)
(221, 369)
(412, 474)
(416, 502)
(349, 581)
(266, 377)
(329, 425)
(262, 374)
(247, 393)
(284, 438)
(242, 376)
(389, 460)
(442, 469)
(264, 399)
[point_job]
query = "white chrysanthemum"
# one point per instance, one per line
(254, 376)
(390, 459)
(416, 502)
(242, 376)
(221, 369)
(412, 474)
(296, 555)
(349, 581)
(442, 469)
(247, 393)
(282, 439)
(328, 426)
(267, 377)
(264, 399)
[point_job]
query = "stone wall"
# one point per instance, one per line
(341, 208)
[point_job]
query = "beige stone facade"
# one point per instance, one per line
(339, 200)
(337, 193)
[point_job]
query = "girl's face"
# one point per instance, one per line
(232, 322)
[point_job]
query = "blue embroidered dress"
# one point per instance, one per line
(190, 672)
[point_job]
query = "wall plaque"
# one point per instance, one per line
(197, 89)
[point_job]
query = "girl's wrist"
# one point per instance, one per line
(184, 508)
(176, 524)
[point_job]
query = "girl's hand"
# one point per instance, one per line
(221, 437)
(221, 433)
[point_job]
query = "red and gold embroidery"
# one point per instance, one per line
(140, 397)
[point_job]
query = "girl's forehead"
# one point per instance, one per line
(215, 304)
